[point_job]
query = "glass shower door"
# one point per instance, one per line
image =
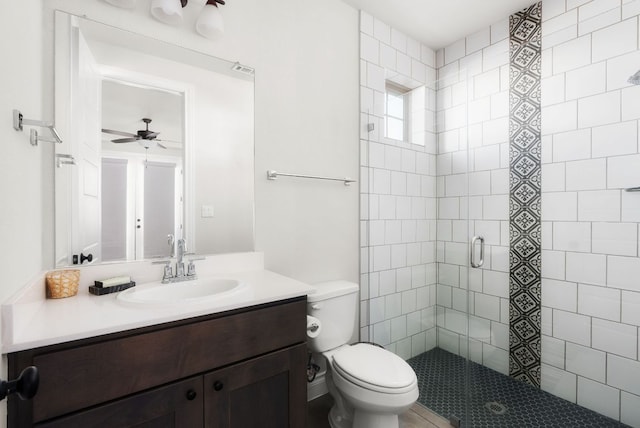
(415, 234)
(446, 394)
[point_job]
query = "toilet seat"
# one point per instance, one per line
(374, 368)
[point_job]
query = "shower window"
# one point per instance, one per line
(397, 109)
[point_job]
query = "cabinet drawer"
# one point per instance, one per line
(82, 376)
(177, 405)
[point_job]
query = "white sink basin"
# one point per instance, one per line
(212, 291)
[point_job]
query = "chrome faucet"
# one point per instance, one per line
(171, 240)
(182, 248)
(180, 275)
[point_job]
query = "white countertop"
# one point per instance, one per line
(29, 320)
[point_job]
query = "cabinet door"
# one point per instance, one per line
(175, 405)
(268, 392)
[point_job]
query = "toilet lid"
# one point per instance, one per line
(374, 368)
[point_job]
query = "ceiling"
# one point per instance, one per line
(124, 106)
(438, 23)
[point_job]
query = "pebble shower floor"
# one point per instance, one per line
(495, 400)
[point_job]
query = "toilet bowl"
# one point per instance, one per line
(370, 385)
(377, 383)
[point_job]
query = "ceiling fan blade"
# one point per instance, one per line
(124, 140)
(124, 134)
(170, 141)
(160, 145)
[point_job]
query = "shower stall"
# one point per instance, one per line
(499, 248)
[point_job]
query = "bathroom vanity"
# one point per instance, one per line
(242, 364)
(236, 369)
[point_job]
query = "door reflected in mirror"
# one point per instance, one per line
(162, 138)
(142, 170)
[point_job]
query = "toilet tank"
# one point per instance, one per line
(335, 304)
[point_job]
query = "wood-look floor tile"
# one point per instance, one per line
(416, 417)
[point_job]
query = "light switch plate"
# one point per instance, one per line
(207, 211)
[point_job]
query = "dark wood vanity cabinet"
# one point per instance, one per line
(256, 393)
(242, 368)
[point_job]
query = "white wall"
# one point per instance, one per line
(21, 165)
(306, 59)
(24, 246)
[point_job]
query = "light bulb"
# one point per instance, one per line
(210, 23)
(167, 11)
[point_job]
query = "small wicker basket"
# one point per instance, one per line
(62, 283)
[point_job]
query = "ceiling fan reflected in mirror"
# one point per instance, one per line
(145, 137)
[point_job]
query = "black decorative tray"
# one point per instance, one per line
(99, 291)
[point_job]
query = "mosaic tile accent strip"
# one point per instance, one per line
(442, 380)
(525, 194)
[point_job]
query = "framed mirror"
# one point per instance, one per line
(157, 146)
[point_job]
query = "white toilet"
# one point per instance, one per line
(370, 385)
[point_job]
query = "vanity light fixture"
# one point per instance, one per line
(168, 11)
(210, 23)
(125, 4)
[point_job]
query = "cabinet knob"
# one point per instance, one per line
(191, 394)
(218, 385)
(26, 385)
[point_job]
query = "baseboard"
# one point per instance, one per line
(317, 388)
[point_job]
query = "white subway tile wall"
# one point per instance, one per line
(590, 288)
(419, 206)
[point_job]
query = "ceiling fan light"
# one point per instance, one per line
(125, 4)
(167, 11)
(210, 23)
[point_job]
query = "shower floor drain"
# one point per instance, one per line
(496, 408)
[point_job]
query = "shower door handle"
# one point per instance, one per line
(473, 245)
